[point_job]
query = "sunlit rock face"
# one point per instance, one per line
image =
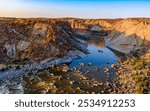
(124, 35)
(38, 39)
(129, 35)
(34, 39)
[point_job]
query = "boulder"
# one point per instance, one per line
(65, 68)
(82, 64)
(11, 50)
(89, 64)
(106, 70)
(22, 45)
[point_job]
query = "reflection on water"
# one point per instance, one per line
(97, 42)
(85, 79)
(99, 55)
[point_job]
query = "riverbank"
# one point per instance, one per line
(133, 75)
(13, 70)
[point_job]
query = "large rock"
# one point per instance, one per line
(11, 50)
(22, 45)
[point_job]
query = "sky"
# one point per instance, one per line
(75, 8)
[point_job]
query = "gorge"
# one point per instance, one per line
(35, 54)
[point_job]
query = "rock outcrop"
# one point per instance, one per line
(129, 35)
(34, 40)
(38, 39)
(124, 35)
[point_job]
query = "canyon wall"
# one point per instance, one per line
(29, 40)
(129, 34)
(124, 35)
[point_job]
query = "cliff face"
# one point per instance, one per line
(124, 35)
(129, 34)
(29, 40)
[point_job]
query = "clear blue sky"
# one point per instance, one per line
(75, 8)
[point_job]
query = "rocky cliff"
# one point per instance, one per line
(30, 40)
(129, 35)
(124, 35)
(27, 46)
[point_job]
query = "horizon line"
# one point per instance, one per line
(70, 17)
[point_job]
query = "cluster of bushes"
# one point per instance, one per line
(141, 73)
(142, 84)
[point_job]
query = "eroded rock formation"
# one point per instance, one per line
(124, 35)
(38, 39)
(34, 39)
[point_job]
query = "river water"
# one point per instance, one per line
(99, 55)
(83, 71)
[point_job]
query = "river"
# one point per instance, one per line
(92, 69)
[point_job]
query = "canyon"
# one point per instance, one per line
(38, 39)
(27, 45)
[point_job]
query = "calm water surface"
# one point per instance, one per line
(99, 55)
(82, 80)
